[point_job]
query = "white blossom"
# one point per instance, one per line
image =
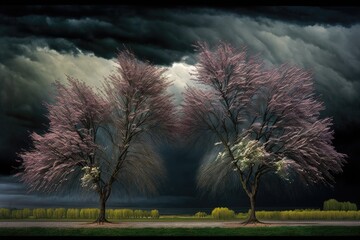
(282, 167)
(246, 153)
(90, 177)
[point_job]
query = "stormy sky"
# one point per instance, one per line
(41, 44)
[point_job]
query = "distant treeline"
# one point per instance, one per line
(75, 213)
(332, 210)
(333, 204)
(310, 214)
(222, 213)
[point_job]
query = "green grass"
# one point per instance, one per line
(244, 231)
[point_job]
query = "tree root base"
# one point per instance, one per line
(252, 221)
(101, 221)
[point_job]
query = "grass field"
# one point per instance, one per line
(251, 231)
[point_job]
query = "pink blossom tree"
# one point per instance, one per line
(104, 134)
(261, 121)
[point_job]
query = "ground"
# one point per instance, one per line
(194, 224)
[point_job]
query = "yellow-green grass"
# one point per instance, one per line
(308, 215)
(88, 214)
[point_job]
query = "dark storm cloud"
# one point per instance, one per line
(166, 35)
(304, 15)
(162, 35)
(150, 35)
(21, 94)
(26, 74)
(158, 34)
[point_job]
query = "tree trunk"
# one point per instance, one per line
(103, 198)
(252, 216)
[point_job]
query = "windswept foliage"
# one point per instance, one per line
(75, 118)
(262, 120)
(104, 135)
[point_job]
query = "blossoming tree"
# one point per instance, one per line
(103, 136)
(261, 121)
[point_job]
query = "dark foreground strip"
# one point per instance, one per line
(251, 231)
